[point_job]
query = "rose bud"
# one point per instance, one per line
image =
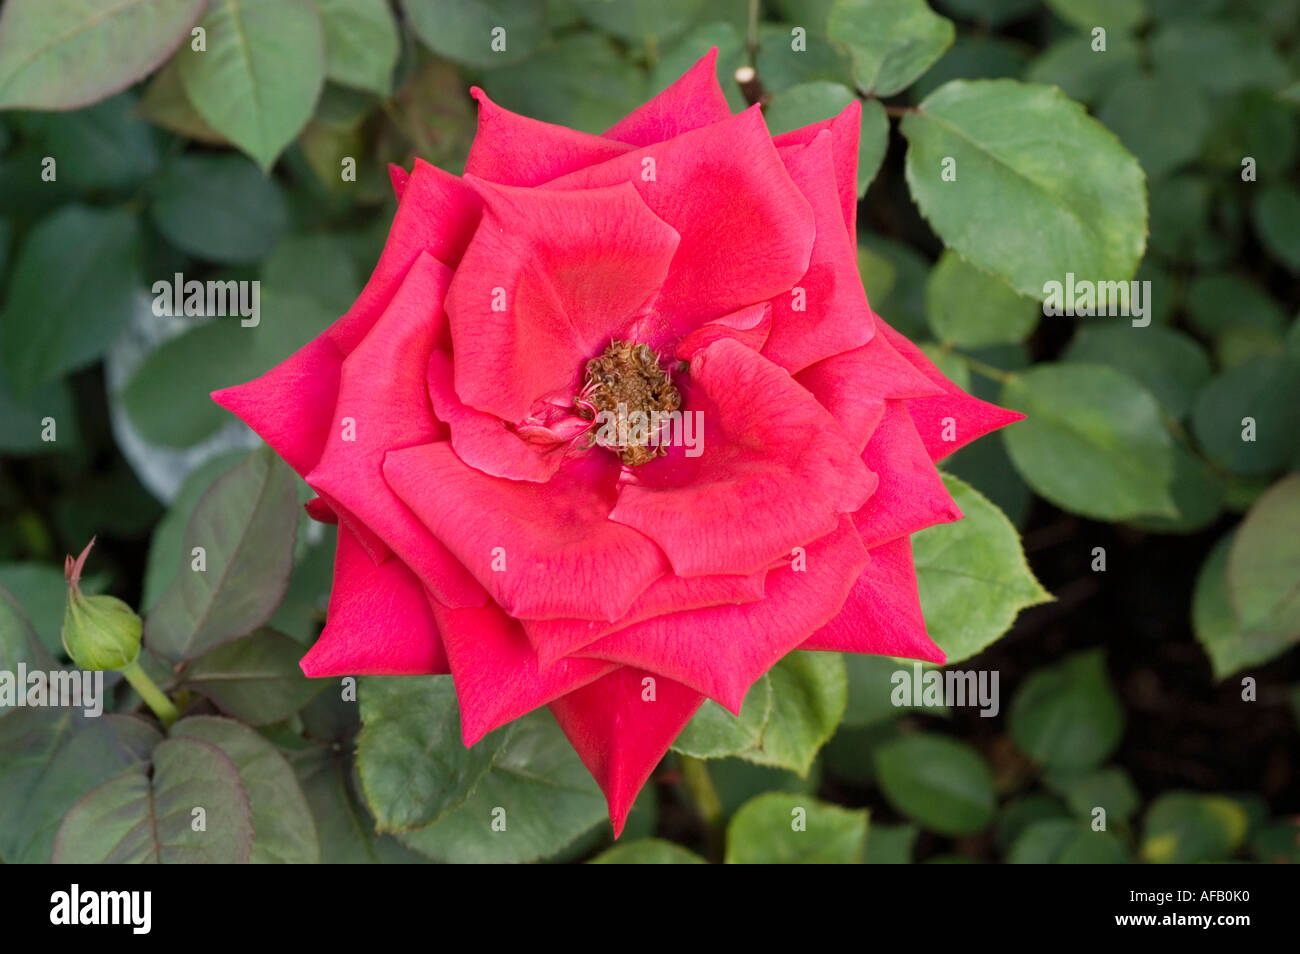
(99, 632)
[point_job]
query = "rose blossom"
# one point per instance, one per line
(684, 261)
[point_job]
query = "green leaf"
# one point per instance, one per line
(1276, 214)
(780, 65)
(1093, 441)
(415, 769)
(258, 81)
(991, 12)
(537, 787)
(973, 57)
(1137, 110)
(1230, 646)
(554, 85)
(1265, 390)
(891, 844)
(784, 828)
(1242, 57)
(246, 524)
(638, 21)
(103, 147)
(1264, 564)
(145, 815)
(940, 783)
(463, 31)
(166, 555)
(1068, 716)
(1187, 828)
(809, 693)
(166, 104)
(813, 102)
(255, 679)
(1198, 493)
(871, 687)
(1085, 74)
(283, 829)
(49, 328)
(1114, 15)
(1168, 363)
(970, 308)
(361, 43)
(1017, 149)
(61, 54)
(1221, 301)
(891, 42)
(715, 733)
(44, 596)
(18, 640)
(1108, 788)
(219, 208)
(48, 759)
(647, 851)
(1063, 842)
(685, 52)
(972, 575)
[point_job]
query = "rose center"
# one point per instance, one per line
(631, 398)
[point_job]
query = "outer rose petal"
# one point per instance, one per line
(972, 417)
(695, 99)
(495, 669)
(378, 621)
(775, 471)
(574, 269)
(510, 149)
(619, 735)
(832, 316)
(722, 650)
(563, 557)
(746, 229)
(845, 130)
(911, 495)
(383, 392)
(556, 638)
(882, 615)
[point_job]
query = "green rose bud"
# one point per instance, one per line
(99, 632)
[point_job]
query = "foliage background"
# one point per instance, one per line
(1125, 692)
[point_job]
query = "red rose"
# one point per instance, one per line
(461, 424)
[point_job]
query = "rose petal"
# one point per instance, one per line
(722, 650)
(911, 495)
(620, 735)
(549, 278)
(746, 229)
(495, 669)
(693, 100)
(882, 615)
(845, 130)
(378, 622)
(774, 471)
(750, 326)
(382, 395)
(545, 551)
(833, 315)
(515, 150)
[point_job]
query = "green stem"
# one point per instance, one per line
(979, 367)
(695, 775)
(153, 696)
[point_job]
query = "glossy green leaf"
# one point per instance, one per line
(1242, 56)
(1198, 493)
(812, 102)
(647, 851)
(787, 59)
(809, 693)
(105, 146)
(940, 783)
(1276, 213)
(1186, 828)
(1086, 74)
(970, 308)
(1247, 418)
(1093, 441)
(44, 597)
(784, 828)
(246, 524)
(49, 328)
(259, 78)
(166, 104)
(283, 829)
(61, 54)
(146, 814)
(464, 31)
(891, 844)
(219, 208)
(415, 768)
(1137, 110)
(715, 733)
(891, 42)
(255, 679)
(1016, 150)
(1230, 646)
(1068, 716)
(18, 640)
(1168, 363)
(1264, 564)
(1063, 842)
(972, 575)
(361, 43)
(537, 788)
